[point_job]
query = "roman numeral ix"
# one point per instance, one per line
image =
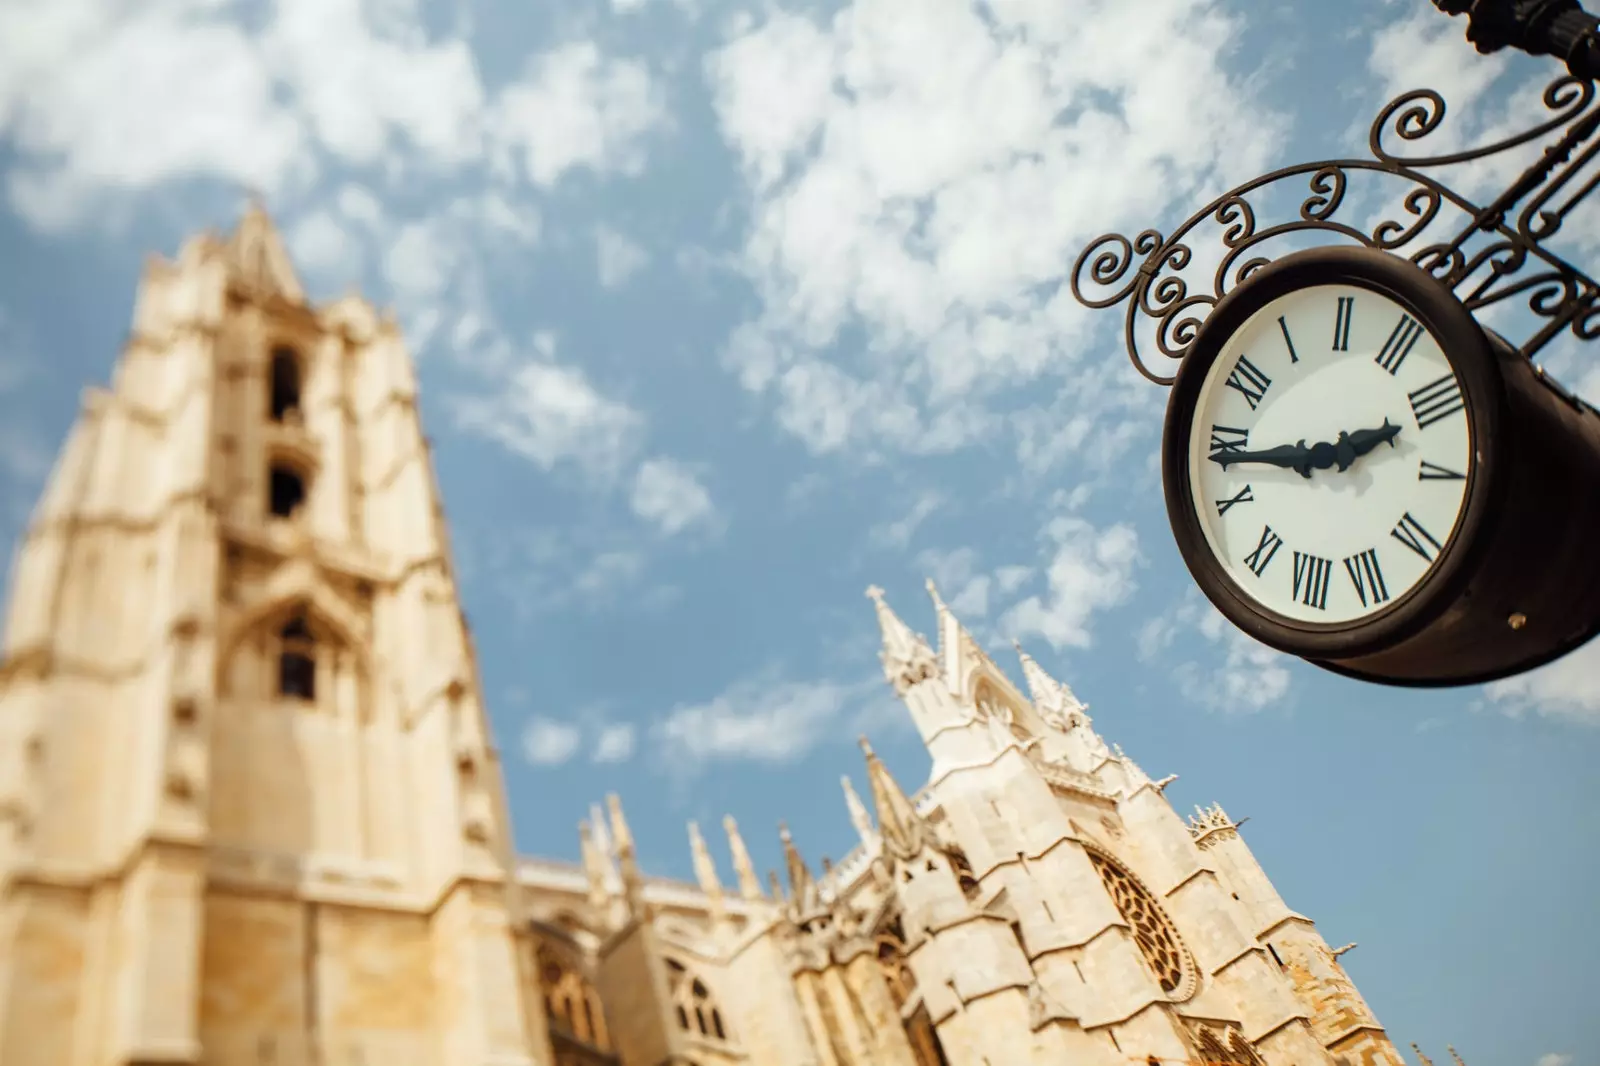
(1270, 543)
(1226, 440)
(1341, 323)
(1244, 495)
(1311, 580)
(1367, 577)
(1399, 344)
(1411, 533)
(1437, 400)
(1250, 382)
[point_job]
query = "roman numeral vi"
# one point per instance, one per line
(1411, 533)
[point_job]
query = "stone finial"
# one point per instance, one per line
(858, 811)
(1421, 1057)
(903, 831)
(907, 659)
(596, 867)
(743, 868)
(705, 870)
(800, 880)
(621, 836)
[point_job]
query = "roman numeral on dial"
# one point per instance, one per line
(1249, 381)
(1411, 533)
(1227, 439)
(1268, 547)
(1367, 577)
(1341, 323)
(1435, 472)
(1399, 345)
(1437, 400)
(1287, 340)
(1244, 495)
(1311, 580)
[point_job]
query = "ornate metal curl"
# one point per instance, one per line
(1515, 224)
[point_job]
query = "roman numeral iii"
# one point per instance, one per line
(1399, 344)
(1411, 533)
(1249, 381)
(1367, 577)
(1268, 547)
(1311, 580)
(1437, 400)
(1341, 323)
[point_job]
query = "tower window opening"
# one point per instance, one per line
(286, 491)
(284, 383)
(297, 665)
(1275, 956)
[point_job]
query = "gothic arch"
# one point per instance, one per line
(988, 698)
(295, 628)
(693, 1005)
(573, 1008)
(296, 585)
(1153, 930)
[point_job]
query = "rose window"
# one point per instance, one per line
(1152, 929)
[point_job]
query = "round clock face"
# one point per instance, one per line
(1330, 455)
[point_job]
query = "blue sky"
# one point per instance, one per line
(724, 311)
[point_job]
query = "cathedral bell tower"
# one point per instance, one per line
(250, 811)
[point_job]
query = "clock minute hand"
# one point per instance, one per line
(1296, 457)
(1363, 441)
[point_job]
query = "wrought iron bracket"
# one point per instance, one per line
(1497, 253)
(1560, 28)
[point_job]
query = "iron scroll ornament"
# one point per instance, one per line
(1510, 261)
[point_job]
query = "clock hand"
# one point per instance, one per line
(1296, 457)
(1364, 440)
(1352, 446)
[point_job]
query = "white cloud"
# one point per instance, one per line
(761, 720)
(1090, 569)
(1568, 688)
(613, 744)
(898, 533)
(573, 108)
(101, 96)
(1554, 1059)
(549, 413)
(964, 589)
(927, 173)
(547, 742)
(670, 496)
(617, 258)
(1249, 676)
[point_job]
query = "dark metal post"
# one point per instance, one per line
(1560, 28)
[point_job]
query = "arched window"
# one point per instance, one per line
(286, 490)
(1153, 931)
(892, 961)
(283, 385)
(297, 663)
(572, 1005)
(692, 1002)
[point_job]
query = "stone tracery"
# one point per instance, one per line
(1153, 931)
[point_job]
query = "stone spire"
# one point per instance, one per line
(602, 839)
(705, 869)
(1053, 700)
(801, 885)
(257, 261)
(903, 831)
(858, 813)
(595, 868)
(622, 842)
(743, 868)
(906, 657)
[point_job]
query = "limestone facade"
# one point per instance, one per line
(251, 813)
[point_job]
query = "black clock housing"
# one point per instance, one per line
(1518, 582)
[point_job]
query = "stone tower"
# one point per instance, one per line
(250, 812)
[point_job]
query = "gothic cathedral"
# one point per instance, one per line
(251, 813)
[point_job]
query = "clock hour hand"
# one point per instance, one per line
(1363, 441)
(1296, 457)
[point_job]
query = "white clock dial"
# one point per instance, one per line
(1330, 454)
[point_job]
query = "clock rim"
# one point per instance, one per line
(1467, 349)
